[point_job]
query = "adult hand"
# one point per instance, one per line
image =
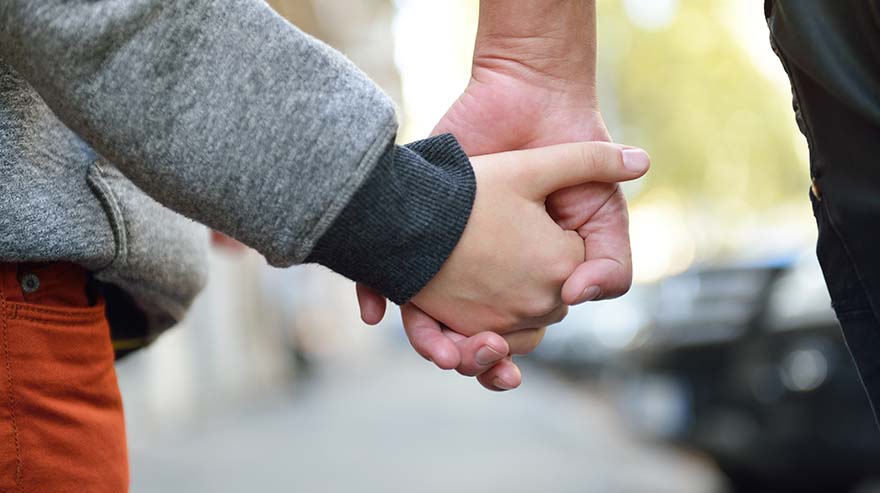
(532, 84)
(507, 104)
(509, 107)
(506, 271)
(502, 234)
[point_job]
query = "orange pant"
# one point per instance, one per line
(61, 422)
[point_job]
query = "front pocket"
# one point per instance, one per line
(62, 414)
(11, 468)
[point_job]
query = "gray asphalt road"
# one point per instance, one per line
(395, 424)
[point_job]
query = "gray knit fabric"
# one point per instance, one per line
(59, 200)
(217, 109)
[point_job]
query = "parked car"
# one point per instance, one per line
(592, 334)
(746, 363)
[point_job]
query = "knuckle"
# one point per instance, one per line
(561, 269)
(528, 341)
(559, 259)
(541, 306)
(556, 316)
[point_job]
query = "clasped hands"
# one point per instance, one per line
(515, 268)
(549, 227)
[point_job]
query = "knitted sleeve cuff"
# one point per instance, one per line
(404, 221)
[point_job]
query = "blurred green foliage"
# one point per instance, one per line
(721, 135)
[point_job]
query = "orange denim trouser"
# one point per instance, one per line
(61, 422)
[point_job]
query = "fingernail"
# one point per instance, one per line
(591, 293)
(487, 355)
(501, 384)
(636, 160)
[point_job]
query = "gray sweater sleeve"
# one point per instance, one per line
(218, 109)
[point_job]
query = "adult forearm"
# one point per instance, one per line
(553, 39)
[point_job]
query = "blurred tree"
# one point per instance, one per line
(722, 137)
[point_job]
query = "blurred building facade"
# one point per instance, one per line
(253, 327)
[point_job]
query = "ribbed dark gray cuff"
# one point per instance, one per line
(404, 221)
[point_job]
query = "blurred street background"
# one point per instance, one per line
(723, 370)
